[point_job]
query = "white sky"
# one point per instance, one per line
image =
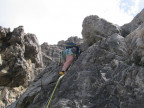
(55, 20)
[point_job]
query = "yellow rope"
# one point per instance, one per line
(53, 91)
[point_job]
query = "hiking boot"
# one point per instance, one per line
(62, 73)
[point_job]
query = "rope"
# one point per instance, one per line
(50, 98)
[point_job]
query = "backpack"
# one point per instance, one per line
(75, 49)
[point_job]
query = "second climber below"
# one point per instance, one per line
(68, 56)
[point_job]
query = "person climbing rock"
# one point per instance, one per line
(68, 56)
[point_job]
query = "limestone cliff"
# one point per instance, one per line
(20, 62)
(109, 73)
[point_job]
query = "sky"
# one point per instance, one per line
(55, 20)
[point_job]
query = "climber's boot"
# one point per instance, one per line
(62, 73)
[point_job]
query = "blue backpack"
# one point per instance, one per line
(74, 47)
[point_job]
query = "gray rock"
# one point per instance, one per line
(17, 35)
(33, 50)
(83, 83)
(135, 23)
(2, 33)
(20, 62)
(135, 43)
(95, 29)
(73, 39)
(107, 73)
(50, 53)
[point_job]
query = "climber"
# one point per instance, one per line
(68, 56)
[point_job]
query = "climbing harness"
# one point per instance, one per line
(50, 98)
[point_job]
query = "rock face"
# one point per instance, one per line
(107, 74)
(33, 50)
(20, 54)
(135, 42)
(50, 53)
(135, 23)
(20, 62)
(95, 28)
